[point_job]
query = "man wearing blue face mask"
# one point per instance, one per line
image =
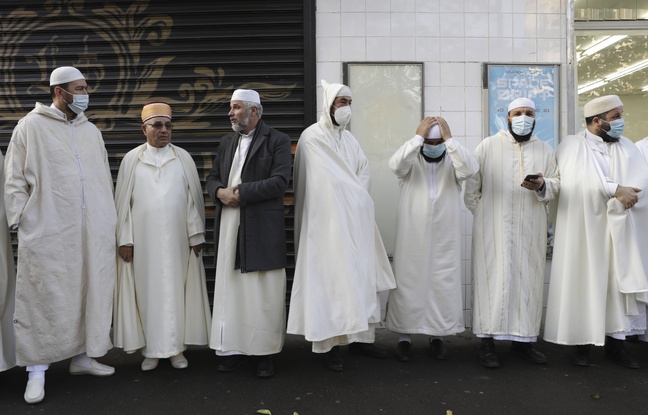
(599, 286)
(59, 196)
(427, 263)
(508, 197)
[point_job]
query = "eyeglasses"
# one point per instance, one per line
(158, 125)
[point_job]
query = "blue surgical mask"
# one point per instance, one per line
(79, 102)
(433, 151)
(616, 128)
(522, 125)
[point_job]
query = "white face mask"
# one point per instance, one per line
(522, 125)
(79, 102)
(342, 115)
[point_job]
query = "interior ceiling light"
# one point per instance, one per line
(613, 76)
(590, 86)
(607, 41)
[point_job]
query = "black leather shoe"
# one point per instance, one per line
(368, 349)
(404, 351)
(487, 356)
(615, 350)
(231, 363)
(265, 367)
(529, 352)
(581, 355)
(438, 350)
(333, 360)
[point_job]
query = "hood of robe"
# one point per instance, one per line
(50, 112)
(330, 92)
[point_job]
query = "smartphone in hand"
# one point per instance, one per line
(530, 177)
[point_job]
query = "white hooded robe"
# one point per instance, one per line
(59, 193)
(598, 275)
(7, 287)
(341, 261)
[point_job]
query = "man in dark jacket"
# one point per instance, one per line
(247, 182)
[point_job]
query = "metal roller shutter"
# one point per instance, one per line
(191, 54)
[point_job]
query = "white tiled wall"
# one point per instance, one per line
(452, 38)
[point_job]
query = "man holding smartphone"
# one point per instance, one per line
(517, 176)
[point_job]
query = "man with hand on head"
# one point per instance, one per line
(59, 196)
(247, 182)
(427, 263)
(508, 197)
(599, 286)
(161, 300)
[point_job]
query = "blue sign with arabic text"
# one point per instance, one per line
(536, 82)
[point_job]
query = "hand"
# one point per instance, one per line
(445, 129)
(534, 184)
(627, 195)
(126, 253)
(197, 248)
(229, 196)
(425, 126)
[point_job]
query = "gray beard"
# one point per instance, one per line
(241, 125)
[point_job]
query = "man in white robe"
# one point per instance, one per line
(59, 195)
(599, 285)
(427, 263)
(508, 198)
(249, 177)
(161, 302)
(7, 286)
(642, 145)
(341, 262)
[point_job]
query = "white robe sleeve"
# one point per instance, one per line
(472, 195)
(463, 162)
(403, 159)
(195, 228)
(16, 187)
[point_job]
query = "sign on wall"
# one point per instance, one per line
(536, 82)
(387, 108)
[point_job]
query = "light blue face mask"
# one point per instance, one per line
(433, 151)
(79, 102)
(522, 125)
(616, 128)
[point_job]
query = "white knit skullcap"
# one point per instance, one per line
(65, 74)
(601, 104)
(435, 132)
(246, 95)
(521, 102)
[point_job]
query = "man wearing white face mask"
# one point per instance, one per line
(599, 286)
(427, 263)
(341, 262)
(59, 196)
(507, 197)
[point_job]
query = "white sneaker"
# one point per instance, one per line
(95, 369)
(150, 363)
(179, 361)
(35, 391)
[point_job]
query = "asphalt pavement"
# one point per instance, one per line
(304, 386)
